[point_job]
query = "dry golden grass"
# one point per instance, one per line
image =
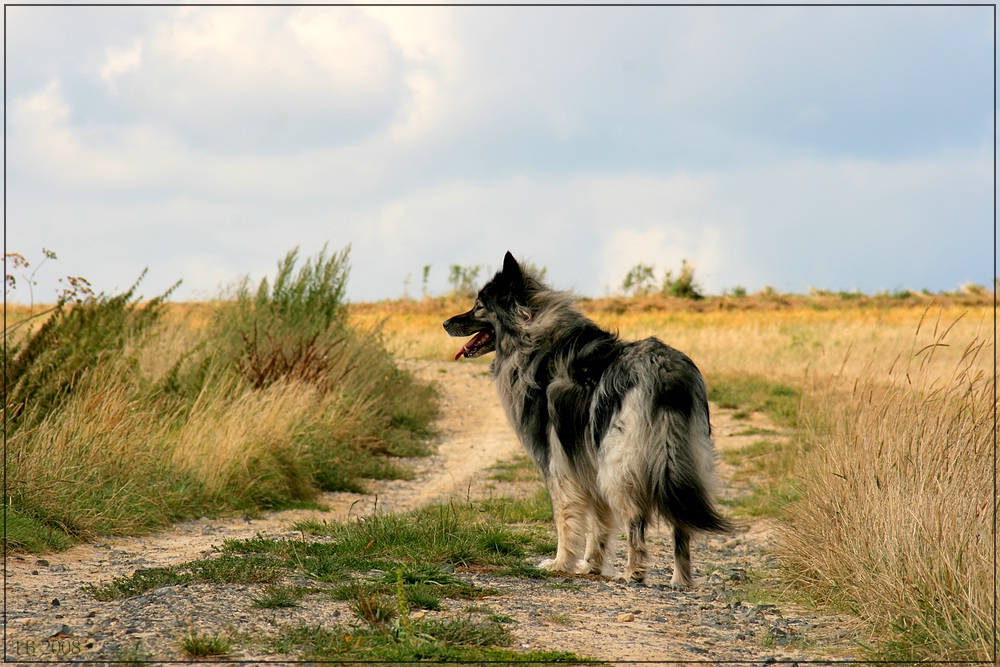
(896, 508)
(897, 515)
(168, 426)
(236, 438)
(81, 470)
(786, 342)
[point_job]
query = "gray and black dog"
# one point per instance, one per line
(620, 430)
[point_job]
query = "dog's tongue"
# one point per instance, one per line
(469, 345)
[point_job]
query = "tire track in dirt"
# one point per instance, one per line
(49, 617)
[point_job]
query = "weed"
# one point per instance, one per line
(198, 645)
(374, 609)
(278, 597)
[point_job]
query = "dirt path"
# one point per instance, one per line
(50, 618)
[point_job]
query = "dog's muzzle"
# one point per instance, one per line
(483, 339)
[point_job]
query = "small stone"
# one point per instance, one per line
(59, 567)
(41, 562)
(62, 630)
(627, 617)
(55, 602)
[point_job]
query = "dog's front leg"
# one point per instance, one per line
(571, 521)
(602, 524)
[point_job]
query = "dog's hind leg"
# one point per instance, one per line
(682, 558)
(635, 568)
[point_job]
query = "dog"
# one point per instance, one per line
(619, 430)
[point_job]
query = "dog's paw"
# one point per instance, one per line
(680, 583)
(549, 565)
(584, 566)
(632, 576)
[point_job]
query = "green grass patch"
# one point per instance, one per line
(519, 469)
(754, 393)
(454, 534)
(770, 465)
(224, 569)
(279, 597)
(536, 508)
(386, 567)
(27, 534)
(198, 645)
(463, 639)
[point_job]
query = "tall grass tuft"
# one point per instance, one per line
(895, 520)
(42, 366)
(120, 419)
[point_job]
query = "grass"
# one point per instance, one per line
(278, 597)
(884, 487)
(124, 415)
(385, 567)
(458, 639)
(198, 645)
(754, 393)
(771, 466)
(895, 518)
(366, 557)
(227, 568)
(519, 469)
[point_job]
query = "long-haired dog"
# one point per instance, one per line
(619, 430)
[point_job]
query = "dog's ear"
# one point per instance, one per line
(511, 269)
(522, 285)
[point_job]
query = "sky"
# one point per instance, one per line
(834, 148)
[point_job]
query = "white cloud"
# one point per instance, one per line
(119, 61)
(262, 78)
(763, 145)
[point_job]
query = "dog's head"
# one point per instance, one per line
(499, 304)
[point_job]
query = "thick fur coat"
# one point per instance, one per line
(620, 430)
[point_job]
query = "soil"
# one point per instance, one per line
(49, 617)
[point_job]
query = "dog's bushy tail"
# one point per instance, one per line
(687, 502)
(685, 493)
